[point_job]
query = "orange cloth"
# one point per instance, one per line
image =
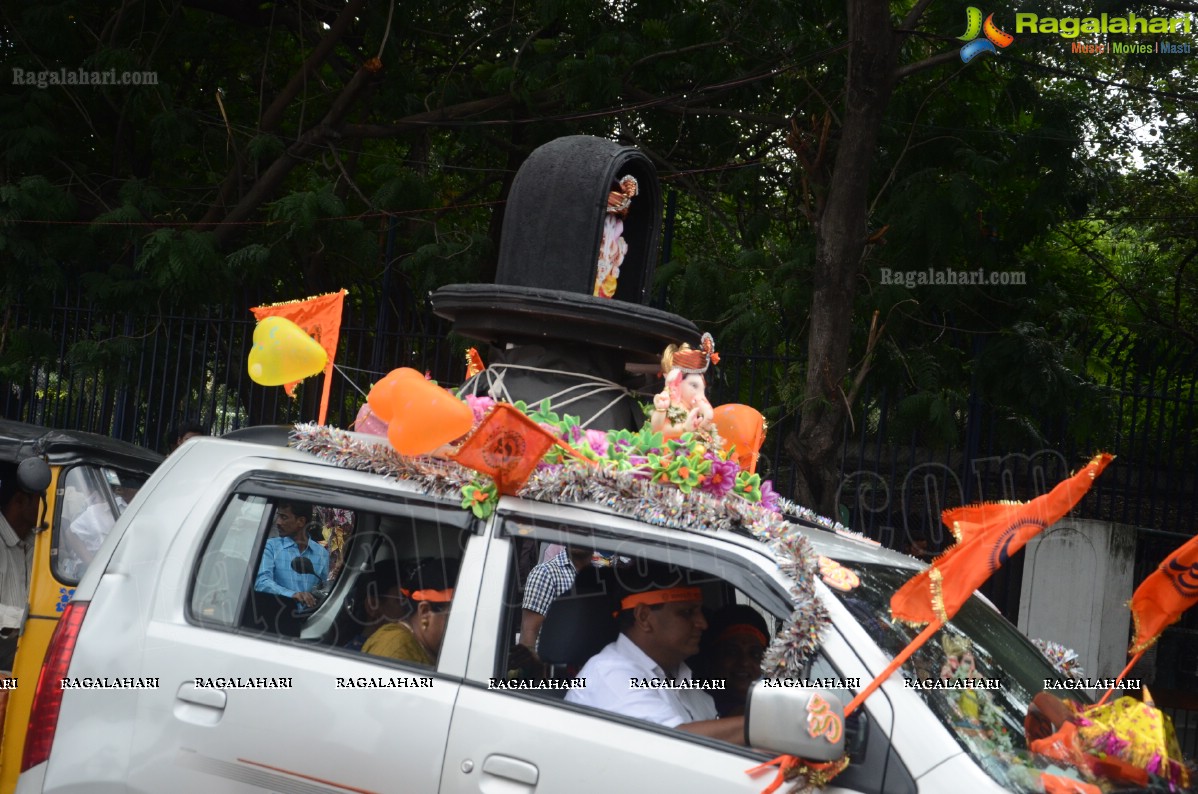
(320, 317)
(1058, 784)
(1063, 746)
(987, 536)
(506, 446)
(474, 363)
(1161, 598)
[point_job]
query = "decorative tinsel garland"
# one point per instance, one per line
(626, 493)
(800, 638)
(431, 476)
(1065, 660)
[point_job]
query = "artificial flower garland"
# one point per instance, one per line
(680, 483)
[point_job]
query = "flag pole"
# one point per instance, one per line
(895, 663)
(324, 396)
(1126, 670)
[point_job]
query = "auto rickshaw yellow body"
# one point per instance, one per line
(90, 478)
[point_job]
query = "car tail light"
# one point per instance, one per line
(47, 698)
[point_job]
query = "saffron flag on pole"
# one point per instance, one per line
(1161, 598)
(506, 446)
(320, 317)
(987, 535)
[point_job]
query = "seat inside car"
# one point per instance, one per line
(579, 623)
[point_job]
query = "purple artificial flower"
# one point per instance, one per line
(597, 440)
(721, 478)
(479, 405)
(769, 497)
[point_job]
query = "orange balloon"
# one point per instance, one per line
(384, 397)
(420, 415)
(743, 427)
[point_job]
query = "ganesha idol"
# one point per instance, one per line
(682, 407)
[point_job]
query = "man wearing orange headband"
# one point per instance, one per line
(643, 674)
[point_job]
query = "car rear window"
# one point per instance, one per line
(92, 498)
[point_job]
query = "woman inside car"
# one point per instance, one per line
(417, 637)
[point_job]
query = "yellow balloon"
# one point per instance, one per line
(283, 353)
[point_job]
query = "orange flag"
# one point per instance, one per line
(987, 535)
(320, 317)
(506, 446)
(1161, 598)
(474, 363)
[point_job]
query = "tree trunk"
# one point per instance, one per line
(840, 242)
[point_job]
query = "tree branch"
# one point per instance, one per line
(672, 53)
(430, 118)
(914, 15)
(1178, 272)
(1147, 312)
(273, 116)
(269, 182)
(906, 70)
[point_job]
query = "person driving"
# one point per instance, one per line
(661, 623)
(418, 635)
(19, 514)
(293, 565)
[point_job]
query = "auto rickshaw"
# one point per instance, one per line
(87, 480)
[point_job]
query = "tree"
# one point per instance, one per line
(293, 147)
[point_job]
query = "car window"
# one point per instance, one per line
(579, 620)
(345, 577)
(93, 497)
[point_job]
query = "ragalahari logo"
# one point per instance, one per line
(974, 26)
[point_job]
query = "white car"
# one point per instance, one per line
(181, 677)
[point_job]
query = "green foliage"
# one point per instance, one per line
(121, 191)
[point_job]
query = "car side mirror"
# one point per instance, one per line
(33, 475)
(807, 723)
(303, 565)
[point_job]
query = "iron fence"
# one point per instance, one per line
(132, 374)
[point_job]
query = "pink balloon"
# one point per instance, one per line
(368, 422)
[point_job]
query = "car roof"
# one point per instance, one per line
(838, 544)
(19, 440)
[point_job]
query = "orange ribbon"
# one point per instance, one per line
(436, 596)
(670, 595)
(785, 763)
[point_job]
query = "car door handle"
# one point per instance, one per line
(202, 696)
(511, 769)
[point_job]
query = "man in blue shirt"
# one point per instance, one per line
(293, 565)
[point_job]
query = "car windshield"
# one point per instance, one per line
(1007, 670)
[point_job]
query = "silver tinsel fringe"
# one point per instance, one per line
(631, 495)
(430, 475)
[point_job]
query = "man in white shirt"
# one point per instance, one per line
(661, 622)
(18, 517)
(88, 531)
